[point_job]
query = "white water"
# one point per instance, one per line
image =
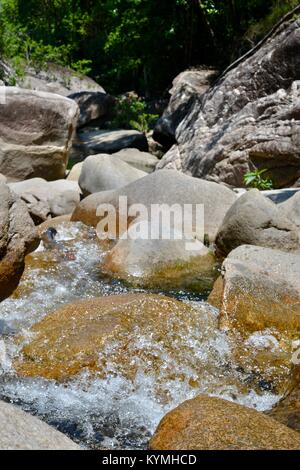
(116, 412)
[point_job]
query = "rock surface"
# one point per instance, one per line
(57, 79)
(103, 172)
(166, 187)
(102, 141)
(21, 431)
(188, 87)
(248, 119)
(143, 161)
(17, 238)
(255, 220)
(92, 105)
(261, 289)
(36, 132)
(207, 423)
(105, 333)
(287, 411)
(47, 199)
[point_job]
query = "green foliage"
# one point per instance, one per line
(254, 179)
(144, 123)
(133, 44)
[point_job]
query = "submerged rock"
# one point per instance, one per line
(21, 431)
(117, 335)
(18, 237)
(207, 423)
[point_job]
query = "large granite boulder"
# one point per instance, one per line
(208, 423)
(21, 431)
(36, 131)
(255, 220)
(170, 188)
(188, 87)
(104, 172)
(260, 289)
(93, 106)
(46, 199)
(248, 119)
(56, 79)
(18, 237)
(141, 160)
(97, 141)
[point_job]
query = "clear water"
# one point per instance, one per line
(116, 412)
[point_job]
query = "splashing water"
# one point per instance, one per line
(116, 411)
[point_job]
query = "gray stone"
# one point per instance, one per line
(21, 431)
(256, 220)
(248, 119)
(92, 105)
(36, 132)
(166, 187)
(105, 172)
(102, 141)
(141, 160)
(18, 237)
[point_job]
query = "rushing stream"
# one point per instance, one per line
(114, 412)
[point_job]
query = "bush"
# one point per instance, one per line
(254, 179)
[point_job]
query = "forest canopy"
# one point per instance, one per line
(133, 44)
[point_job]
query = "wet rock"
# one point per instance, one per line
(111, 334)
(92, 105)
(18, 237)
(248, 119)
(47, 199)
(162, 263)
(21, 431)
(255, 220)
(207, 423)
(261, 289)
(287, 411)
(36, 132)
(102, 141)
(104, 172)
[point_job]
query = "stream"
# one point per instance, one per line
(115, 412)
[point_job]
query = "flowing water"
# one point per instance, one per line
(116, 411)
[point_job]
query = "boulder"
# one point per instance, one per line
(208, 423)
(21, 431)
(47, 199)
(3, 178)
(57, 79)
(260, 290)
(255, 220)
(100, 335)
(18, 237)
(291, 209)
(92, 105)
(75, 172)
(287, 410)
(248, 119)
(36, 132)
(143, 161)
(161, 263)
(170, 188)
(104, 141)
(188, 87)
(104, 172)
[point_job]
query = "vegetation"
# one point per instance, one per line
(255, 179)
(131, 112)
(133, 44)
